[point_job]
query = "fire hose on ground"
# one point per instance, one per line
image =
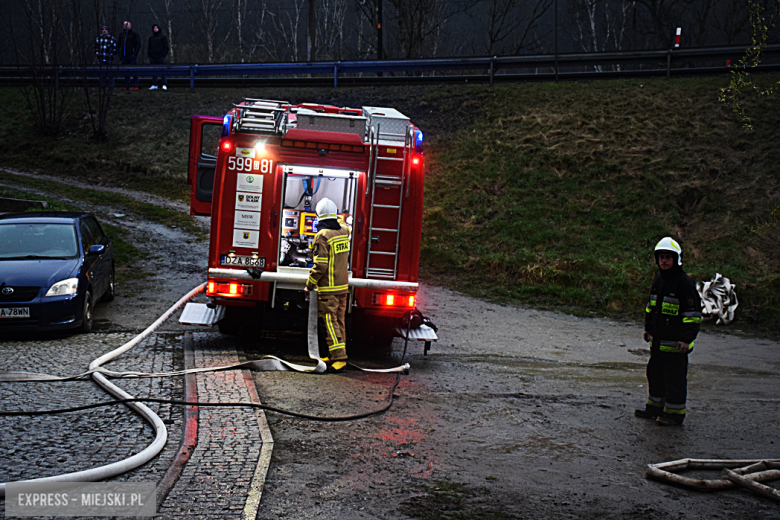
(742, 473)
(98, 374)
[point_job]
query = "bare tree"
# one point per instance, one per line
(257, 41)
(601, 25)
(664, 16)
(311, 41)
(507, 24)
(44, 18)
(367, 13)
(732, 21)
(701, 17)
(98, 100)
(420, 24)
(330, 29)
(205, 21)
(41, 36)
(287, 24)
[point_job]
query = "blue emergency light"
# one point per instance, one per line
(226, 126)
(418, 142)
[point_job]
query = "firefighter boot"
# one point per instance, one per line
(649, 412)
(336, 367)
(670, 419)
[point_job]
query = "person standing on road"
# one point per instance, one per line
(330, 276)
(105, 49)
(129, 47)
(157, 50)
(672, 323)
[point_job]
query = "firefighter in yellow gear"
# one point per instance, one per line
(330, 276)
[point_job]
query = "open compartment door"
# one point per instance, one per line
(304, 187)
(205, 133)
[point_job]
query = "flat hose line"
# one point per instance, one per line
(267, 363)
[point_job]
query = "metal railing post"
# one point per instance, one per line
(668, 64)
(335, 75)
(492, 61)
(192, 77)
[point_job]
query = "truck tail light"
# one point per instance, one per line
(416, 161)
(226, 146)
(394, 300)
(229, 289)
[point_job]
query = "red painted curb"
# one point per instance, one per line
(190, 437)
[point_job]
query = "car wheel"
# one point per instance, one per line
(109, 294)
(86, 322)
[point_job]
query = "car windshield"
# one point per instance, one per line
(21, 241)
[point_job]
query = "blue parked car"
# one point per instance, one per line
(54, 266)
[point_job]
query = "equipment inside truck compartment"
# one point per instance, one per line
(302, 190)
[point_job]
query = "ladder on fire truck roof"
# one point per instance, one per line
(386, 181)
(259, 116)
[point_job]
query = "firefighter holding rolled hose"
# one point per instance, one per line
(330, 276)
(672, 320)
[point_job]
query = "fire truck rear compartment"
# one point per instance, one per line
(368, 161)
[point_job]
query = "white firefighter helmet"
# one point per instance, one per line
(326, 209)
(669, 245)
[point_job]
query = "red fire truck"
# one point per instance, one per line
(274, 161)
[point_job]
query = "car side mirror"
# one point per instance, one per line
(97, 249)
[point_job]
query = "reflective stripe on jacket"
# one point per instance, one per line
(330, 274)
(673, 313)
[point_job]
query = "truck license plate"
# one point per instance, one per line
(243, 261)
(15, 312)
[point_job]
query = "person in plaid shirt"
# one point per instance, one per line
(105, 49)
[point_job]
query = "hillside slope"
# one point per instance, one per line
(547, 194)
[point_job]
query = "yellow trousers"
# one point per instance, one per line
(331, 309)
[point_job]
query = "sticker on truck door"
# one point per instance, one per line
(249, 183)
(247, 220)
(246, 238)
(249, 201)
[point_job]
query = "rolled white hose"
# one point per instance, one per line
(718, 299)
(161, 432)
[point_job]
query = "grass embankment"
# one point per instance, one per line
(557, 196)
(547, 194)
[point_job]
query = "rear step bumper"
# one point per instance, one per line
(301, 278)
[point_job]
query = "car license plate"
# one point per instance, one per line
(14, 312)
(243, 260)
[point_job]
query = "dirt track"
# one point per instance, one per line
(514, 413)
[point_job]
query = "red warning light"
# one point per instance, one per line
(416, 161)
(226, 146)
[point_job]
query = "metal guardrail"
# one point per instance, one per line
(496, 68)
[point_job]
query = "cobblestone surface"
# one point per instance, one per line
(217, 480)
(41, 446)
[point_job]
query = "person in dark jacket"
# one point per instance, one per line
(129, 47)
(157, 50)
(105, 49)
(672, 320)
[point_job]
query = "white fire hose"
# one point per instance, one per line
(718, 299)
(267, 363)
(160, 431)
